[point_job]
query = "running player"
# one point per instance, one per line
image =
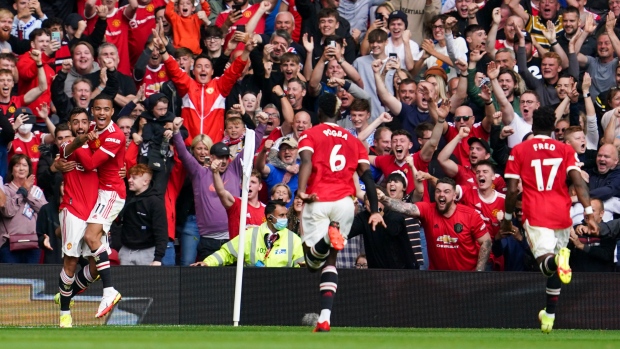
(330, 156)
(543, 165)
(108, 158)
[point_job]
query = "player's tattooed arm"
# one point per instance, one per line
(485, 251)
(398, 205)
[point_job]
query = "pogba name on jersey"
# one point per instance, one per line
(543, 146)
(334, 133)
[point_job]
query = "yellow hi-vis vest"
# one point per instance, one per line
(287, 250)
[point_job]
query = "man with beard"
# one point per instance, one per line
(6, 23)
(272, 175)
(572, 25)
(149, 71)
(602, 69)
(513, 23)
(464, 117)
(505, 90)
(479, 150)
(458, 238)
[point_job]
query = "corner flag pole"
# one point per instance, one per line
(248, 157)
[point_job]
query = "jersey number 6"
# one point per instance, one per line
(337, 161)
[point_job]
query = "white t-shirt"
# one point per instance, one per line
(460, 51)
(400, 51)
(521, 128)
(606, 119)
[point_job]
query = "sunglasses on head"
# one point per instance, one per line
(459, 118)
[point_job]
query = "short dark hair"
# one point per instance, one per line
(423, 127)
(63, 126)
(272, 204)
(38, 32)
(183, 52)
(359, 104)
(328, 12)
(407, 81)
(377, 35)
(572, 9)
(14, 160)
(472, 29)
(485, 162)
(8, 56)
(88, 45)
(544, 119)
(447, 180)
(52, 21)
(77, 111)
(283, 34)
(379, 131)
(290, 57)
(203, 56)
(212, 30)
(402, 132)
(299, 81)
(104, 97)
(339, 40)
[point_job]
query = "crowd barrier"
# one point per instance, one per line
(378, 298)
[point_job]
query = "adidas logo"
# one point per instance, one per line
(18, 149)
(436, 226)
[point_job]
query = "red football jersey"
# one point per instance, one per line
(117, 33)
(9, 108)
(255, 216)
(29, 147)
(462, 149)
(154, 79)
(336, 154)
(80, 194)
(108, 158)
(245, 18)
(451, 242)
(467, 177)
(488, 210)
(543, 164)
(388, 164)
(141, 26)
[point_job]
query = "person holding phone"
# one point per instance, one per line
(239, 16)
(400, 40)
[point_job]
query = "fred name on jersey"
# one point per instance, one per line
(543, 146)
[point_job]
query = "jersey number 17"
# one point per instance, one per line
(537, 165)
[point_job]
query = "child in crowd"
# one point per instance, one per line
(186, 24)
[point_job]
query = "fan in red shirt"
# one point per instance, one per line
(464, 175)
(256, 209)
(230, 19)
(9, 104)
(457, 238)
(330, 155)
(107, 142)
(544, 165)
(464, 117)
(141, 15)
(483, 198)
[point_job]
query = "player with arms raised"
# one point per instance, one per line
(108, 158)
(330, 156)
(543, 165)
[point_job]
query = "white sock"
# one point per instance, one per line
(63, 312)
(552, 316)
(325, 314)
(108, 290)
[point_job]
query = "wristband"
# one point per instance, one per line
(441, 121)
(341, 61)
(588, 210)
(586, 95)
(553, 44)
(100, 88)
(282, 95)
(162, 52)
(39, 65)
(507, 216)
(489, 102)
(462, 75)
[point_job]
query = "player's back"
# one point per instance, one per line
(112, 142)
(336, 154)
(543, 165)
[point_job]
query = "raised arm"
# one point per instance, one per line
(492, 35)
(409, 62)
(504, 106)
(288, 114)
(398, 205)
(447, 165)
(515, 7)
(226, 198)
(559, 111)
(33, 94)
(261, 159)
(551, 37)
(258, 15)
(314, 84)
(388, 100)
(309, 46)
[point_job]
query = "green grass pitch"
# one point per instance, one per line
(250, 337)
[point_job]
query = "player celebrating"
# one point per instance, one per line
(78, 200)
(108, 158)
(543, 165)
(330, 156)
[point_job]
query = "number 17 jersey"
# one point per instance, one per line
(543, 165)
(336, 154)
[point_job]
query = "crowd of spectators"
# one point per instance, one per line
(433, 89)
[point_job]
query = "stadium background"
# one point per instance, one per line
(381, 298)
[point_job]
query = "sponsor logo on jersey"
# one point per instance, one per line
(35, 148)
(447, 241)
(113, 140)
(161, 74)
(247, 14)
(116, 23)
(69, 245)
(18, 149)
(150, 8)
(12, 109)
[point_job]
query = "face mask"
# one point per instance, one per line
(24, 129)
(281, 224)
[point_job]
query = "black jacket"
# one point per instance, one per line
(144, 223)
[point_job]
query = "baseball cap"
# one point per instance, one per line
(436, 71)
(398, 176)
(398, 15)
(291, 142)
(73, 19)
(220, 149)
(26, 111)
(484, 143)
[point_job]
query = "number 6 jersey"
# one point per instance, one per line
(543, 165)
(336, 154)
